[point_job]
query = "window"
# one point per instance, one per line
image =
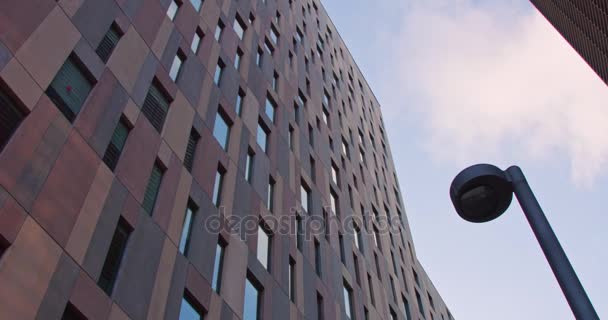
(275, 82)
(356, 265)
(262, 136)
(196, 40)
(268, 46)
(305, 196)
(359, 240)
(430, 300)
(292, 280)
(238, 58)
(71, 313)
(218, 266)
(326, 117)
(10, 118)
(188, 311)
(274, 35)
(376, 238)
(253, 300)
(370, 284)
(217, 186)
(348, 300)
(270, 196)
(184, 242)
(264, 240)
(333, 198)
(111, 265)
(318, 262)
(345, 148)
(313, 169)
(311, 135)
(240, 99)
(259, 57)
(290, 138)
(420, 305)
(249, 165)
(70, 88)
(117, 143)
(377, 262)
(108, 43)
(416, 278)
(219, 29)
(341, 244)
(325, 99)
(221, 130)
(299, 233)
(152, 189)
(270, 108)
(320, 309)
(4, 244)
(239, 27)
(179, 59)
(191, 149)
(155, 106)
(406, 308)
(172, 10)
(219, 71)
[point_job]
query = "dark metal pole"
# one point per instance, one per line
(562, 269)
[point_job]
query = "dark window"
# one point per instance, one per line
(341, 240)
(10, 118)
(370, 284)
(4, 244)
(218, 265)
(299, 233)
(184, 242)
(430, 300)
(320, 311)
(155, 106)
(70, 88)
(71, 313)
(189, 310)
(109, 272)
(292, 280)
(191, 149)
(152, 189)
(406, 308)
(117, 143)
(108, 43)
(318, 263)
(357, 272)
(420, 305)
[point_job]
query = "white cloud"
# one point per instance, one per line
(491, 76)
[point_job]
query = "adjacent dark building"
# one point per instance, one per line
(584, 24)
(148, 149)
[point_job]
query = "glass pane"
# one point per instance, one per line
(304, 198)
(217, 188)
(177, 63)
(270, 109)
(195, 42)
(187, 311)
(347, 301)
(250, 309)
(262, 138)
(221, 131)
(217, 268)
(172, 11)
(263, 247)
(196, 4)
(183, 243)
(238, 28)
(218, 74)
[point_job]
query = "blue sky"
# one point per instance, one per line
(469, 81)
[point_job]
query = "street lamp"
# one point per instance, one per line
(483, 192)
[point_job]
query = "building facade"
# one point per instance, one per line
(225, 159)
(584, 24)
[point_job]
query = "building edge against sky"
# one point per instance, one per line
(186, 159)
(584, 24)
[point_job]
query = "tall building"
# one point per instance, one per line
(180, 159)
(584, 24)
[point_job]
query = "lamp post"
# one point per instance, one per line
(483, 192)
